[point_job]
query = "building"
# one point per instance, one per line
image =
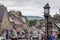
(18, 22)
(41, 25)
(2, 10)
(5, 27)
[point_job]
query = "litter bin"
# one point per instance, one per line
(13, 38)
(35, 38)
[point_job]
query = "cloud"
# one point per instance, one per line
(32, 7)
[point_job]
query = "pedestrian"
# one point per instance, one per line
(42, 37)
(56, 36)
(59, 36)
(51, 36)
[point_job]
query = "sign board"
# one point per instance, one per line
(18, 29)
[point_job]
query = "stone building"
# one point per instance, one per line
(18, 22)
(51, 26)
(41, 24)
(5, 27)
(2, 12)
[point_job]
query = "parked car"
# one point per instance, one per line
(35, 36)
(1, 38)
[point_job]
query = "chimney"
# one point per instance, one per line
(59, 11)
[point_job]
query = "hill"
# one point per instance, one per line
(34, 17)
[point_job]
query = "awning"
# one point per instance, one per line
(18, 25)
(11, 20)
(16, 22)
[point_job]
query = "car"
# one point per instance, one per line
(1, 38)
(29, 35)
(35, 35)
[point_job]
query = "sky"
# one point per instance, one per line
(32, 7)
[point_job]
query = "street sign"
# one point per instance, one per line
(18, 29)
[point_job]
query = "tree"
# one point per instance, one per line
(32, 22)
(39, 27)
(19, 13)
(56, 18)
(9, 13)
(50, 17)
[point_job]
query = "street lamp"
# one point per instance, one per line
(46, 15)
(18, 35)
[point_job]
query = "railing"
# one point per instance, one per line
(25, 39)
(21, 39)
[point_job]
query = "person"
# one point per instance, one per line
(51, 37)
(56, 36)
(42, 37)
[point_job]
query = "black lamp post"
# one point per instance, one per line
(18, 35)
(46, 15)
(7, 34)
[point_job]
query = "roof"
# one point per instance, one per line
(47, 6)
(2, 10)
(1, 5)
(57, 25)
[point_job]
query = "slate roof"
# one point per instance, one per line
(2, 10)
(57, 25)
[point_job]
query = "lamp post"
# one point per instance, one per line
(18, 35)
(46, 15)
(7, 34)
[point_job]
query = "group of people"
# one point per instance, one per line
(54, 37)
(51, 37)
